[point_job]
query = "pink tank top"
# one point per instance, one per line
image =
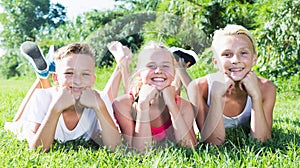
(160, 132)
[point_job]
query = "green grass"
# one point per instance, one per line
(239, 149)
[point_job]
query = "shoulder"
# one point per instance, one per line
(122, 101)
(199, 86)
(267, 87)
(199, 83)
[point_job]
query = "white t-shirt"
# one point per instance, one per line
(88, 126)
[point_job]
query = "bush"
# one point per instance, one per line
(278, 42)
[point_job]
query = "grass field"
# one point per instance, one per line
(239, 150)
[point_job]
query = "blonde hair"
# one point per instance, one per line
(232, 29)
(74, 48)
(148, 49)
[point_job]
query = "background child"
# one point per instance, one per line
(152, 111)
(70, 110)
(235, 95)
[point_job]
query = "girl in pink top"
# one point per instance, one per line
(152, 111)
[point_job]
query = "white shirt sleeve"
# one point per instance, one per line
(37, 106)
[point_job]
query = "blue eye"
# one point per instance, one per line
(152, 66)
(165, 66)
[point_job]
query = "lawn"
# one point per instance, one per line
(239, 149)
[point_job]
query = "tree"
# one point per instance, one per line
(22, 20)
(278, 41)
(126, 29)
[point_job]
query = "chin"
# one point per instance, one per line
(237, 78)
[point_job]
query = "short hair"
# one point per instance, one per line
(232, 29)
(74, 48)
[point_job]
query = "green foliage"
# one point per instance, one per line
(217, 14)
(138, 5)
(125, 29)
(187, 24)
(278, 42)
(23, 20)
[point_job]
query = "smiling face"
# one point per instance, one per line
(234, 55)
(156, 67)
(75, 71)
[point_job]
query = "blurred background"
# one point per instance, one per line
(187, 24)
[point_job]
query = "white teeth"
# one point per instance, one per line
(235, 69)
(158, 79)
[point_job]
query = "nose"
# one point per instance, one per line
(157, 70)
(76, 79)
(235, 59)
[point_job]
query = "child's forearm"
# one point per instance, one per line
(183, 134)
(259, 126)
(46, 132)
(110, 133)
(184, 76)
(213, 130)
(142, 133)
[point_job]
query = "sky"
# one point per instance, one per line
(77, 7)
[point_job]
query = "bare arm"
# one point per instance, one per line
(209, 119)
(182, 121)
(45, 132)
(142, 134)
(122, 111)
(110, 135)
(181, 77)
(263, 95)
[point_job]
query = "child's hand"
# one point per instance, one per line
(89, 98)
(119, 51)
(169, 94)
(221, 84)
(180, 63)
(64, 98)
(146, 95)
(250, 84)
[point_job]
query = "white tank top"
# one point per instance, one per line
(241, 119)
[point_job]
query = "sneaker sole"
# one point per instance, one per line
(31, 50)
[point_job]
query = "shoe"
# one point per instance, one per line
(49, 58)
(33, 54)
(189, 56)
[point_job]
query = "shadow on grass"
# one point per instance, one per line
(285, 137)
(76, 145)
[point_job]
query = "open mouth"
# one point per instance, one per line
(236, 69)
(158, 79)
(76, 89)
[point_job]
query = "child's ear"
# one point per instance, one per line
(254, 59)
(54, 77)
(215, 62)
(94, 79)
